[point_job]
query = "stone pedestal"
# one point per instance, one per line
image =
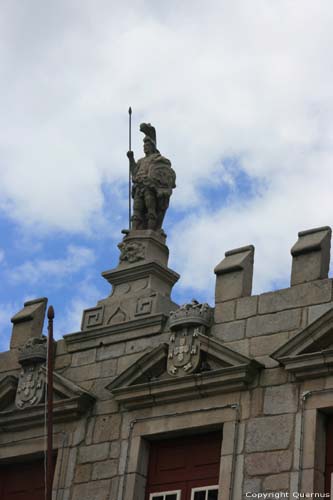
(141, 283)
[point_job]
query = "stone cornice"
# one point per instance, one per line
(311, 338)
(146, 382)
(65, 410)
(117, 332)
(198, 385)
(139, 271)
(309, 365)
(71, 402)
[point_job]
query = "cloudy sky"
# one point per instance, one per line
(241, 95)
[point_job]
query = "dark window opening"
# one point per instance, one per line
(23, 481)
(184, 468)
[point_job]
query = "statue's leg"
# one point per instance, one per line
(138, 211)
(150, 202)
(162, 206)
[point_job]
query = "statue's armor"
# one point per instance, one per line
(153, 181)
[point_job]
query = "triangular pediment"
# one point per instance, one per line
(147, 382)
(310, 352)
(70, 401)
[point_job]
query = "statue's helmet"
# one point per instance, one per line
(150, 133)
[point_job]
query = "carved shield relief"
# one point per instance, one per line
(31, 385)
(184, 353)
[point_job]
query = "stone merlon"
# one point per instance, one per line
(311, 255)
(234, 274)
(28, 322)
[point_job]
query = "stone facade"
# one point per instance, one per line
(258, 367)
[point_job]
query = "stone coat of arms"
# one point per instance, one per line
(184, 353)
(186, 323)
(31, 386)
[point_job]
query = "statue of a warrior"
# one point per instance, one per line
(153, 180)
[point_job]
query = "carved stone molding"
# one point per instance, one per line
(131, 251)
(70, 402)
(309, 354)
(147, 382)
(31, 385)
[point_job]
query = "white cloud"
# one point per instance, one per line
(53, 270)
(228, 79)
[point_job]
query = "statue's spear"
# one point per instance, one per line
(129, 169)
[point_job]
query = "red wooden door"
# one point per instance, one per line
(184, 463)
(22, 481)
(329, 454)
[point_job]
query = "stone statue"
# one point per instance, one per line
(153, 180)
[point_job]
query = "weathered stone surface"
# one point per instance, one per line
(224, 311)
(9, 361)
(79, 433)
(107, 428)
(241, 346)
(82, 373)
(234, 274)
(316, 311)
(278, 482)
(114, 487)
(28, 322)
(94, 453)
(108, 368)
(62, 361)
(306, 294)
(273, 376)
(104, 470)
(89, 431)
(266, 345)
(123, 457)
(82, 473)
(281, 399)
(273, 323)
(115, 449)
(267, 361)
(252, 485)
(125, 361)
(148, 343)
(105, 407)
(261, 438)
(93, 490)
(241, 438)
(67, 474)
(228, 438)
(225, 471)
(239, 476)
(246, 307)
(84, 357)
(257, 397)
(227, 332)
(273, 462)
(311, 255)
(245, 405)
(111, 351)
(99, 387)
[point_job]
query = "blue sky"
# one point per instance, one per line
(241, 97)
